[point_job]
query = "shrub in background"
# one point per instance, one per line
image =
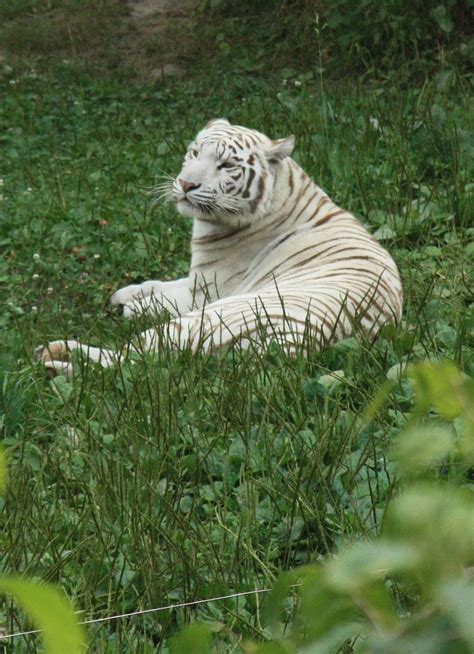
(365, 35)
(390, 33)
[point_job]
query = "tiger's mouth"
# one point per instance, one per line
(190, 208)
(207, 206)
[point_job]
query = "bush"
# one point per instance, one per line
(358, 36)
(389, 33)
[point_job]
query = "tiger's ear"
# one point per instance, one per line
(281, 149)
(214, 121)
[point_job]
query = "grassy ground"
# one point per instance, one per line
(184, 477)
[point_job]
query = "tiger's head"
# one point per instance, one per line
(228, 174)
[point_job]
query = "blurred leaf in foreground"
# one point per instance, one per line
(50, 612)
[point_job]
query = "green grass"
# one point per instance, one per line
(184, 477)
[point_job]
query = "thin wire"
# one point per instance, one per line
(161, 608)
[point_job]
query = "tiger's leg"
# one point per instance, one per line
(153, 297)
(253, 320)
(57, 356)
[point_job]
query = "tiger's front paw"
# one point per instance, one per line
(127, 294)
(56, 357)
(138, 299)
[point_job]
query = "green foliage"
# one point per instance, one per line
(3, 471)
(393, 37)
(47, 608)
(369, 33)
(439, 387)
(195, 639)
(389, 595)
(408, 590)
(442, 387)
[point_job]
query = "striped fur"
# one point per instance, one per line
(272, 257)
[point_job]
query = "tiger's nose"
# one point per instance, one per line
(188, 186)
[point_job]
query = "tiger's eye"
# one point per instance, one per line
(226, 164)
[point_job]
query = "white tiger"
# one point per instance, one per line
(272, 257)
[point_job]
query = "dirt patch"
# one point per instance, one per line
(159, 27)
(144, 8)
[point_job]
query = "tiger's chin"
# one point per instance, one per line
(186, 209)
